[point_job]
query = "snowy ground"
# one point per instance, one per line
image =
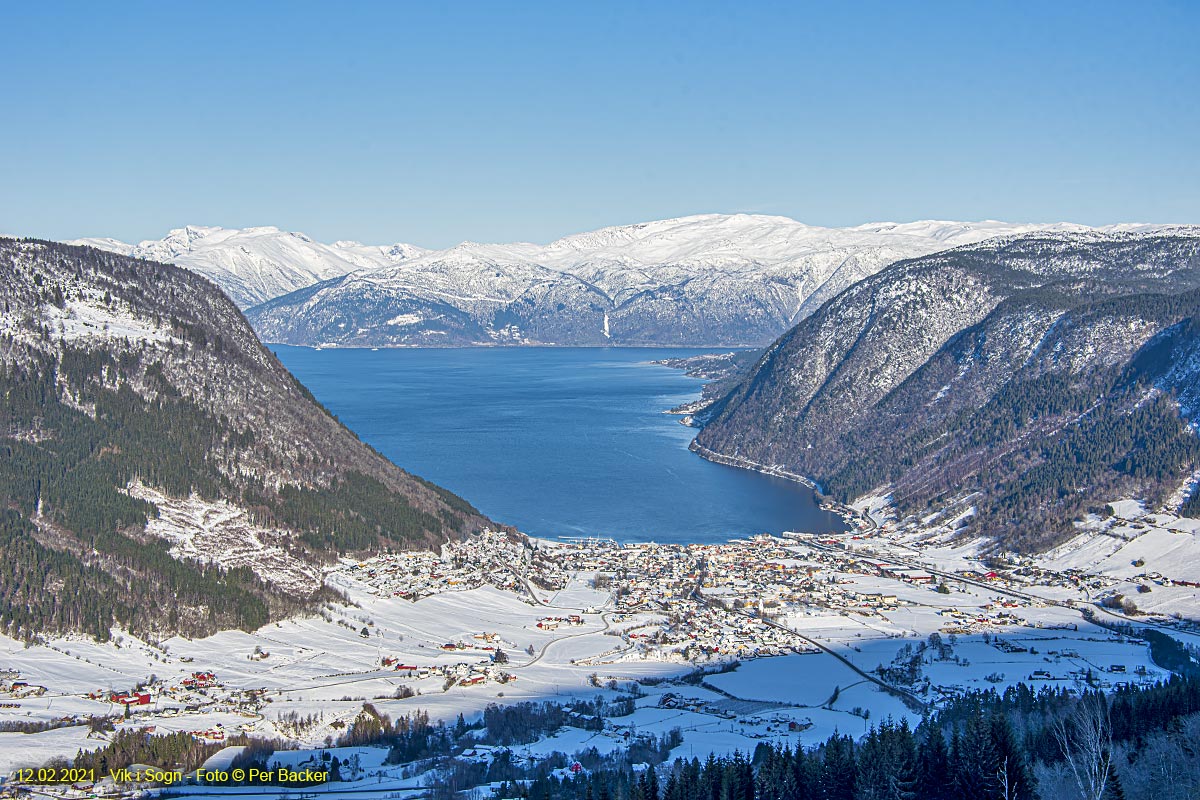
(94, 319)
(327, 669)
(311, 675)
(321, 666)
(217, 532)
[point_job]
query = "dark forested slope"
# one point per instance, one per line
(129, 387)
(1028, 377)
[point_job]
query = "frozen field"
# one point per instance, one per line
(454, 653)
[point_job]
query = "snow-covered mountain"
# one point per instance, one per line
(1019, 382)
(254, 265)
(170, 442)
(701, 280)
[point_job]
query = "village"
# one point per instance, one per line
(787, 638)
(696, 602)
(701, 604)
(506, 561)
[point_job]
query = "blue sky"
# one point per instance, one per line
(441, 122)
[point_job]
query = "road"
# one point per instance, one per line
(1078, 607)
(548, 644)
(908, 698)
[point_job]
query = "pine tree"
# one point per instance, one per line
(1013, 774)
(1114, 790)
(886, 763)
(933, 764)
(650, 792)
(973, 762)
(805, 774)
(837, 777)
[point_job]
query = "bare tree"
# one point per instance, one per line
(1085, 738)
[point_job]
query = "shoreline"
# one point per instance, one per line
(844, 511)
(502, 346)
(825, 503)
(753, 466)
(820, 499)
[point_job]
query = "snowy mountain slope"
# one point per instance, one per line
(253, 265)
(162, 465)
(708, 279)
(1032, 375)
(100, 243)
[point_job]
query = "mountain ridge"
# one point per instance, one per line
(255, 264)
(160, 462)
(706, 279)
(992, 378)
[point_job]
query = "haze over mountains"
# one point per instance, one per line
(701, 280)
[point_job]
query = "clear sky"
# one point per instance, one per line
(438, 122)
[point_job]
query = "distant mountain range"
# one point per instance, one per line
(160, 470)
(1002, 389)
(254, 265)
(703, 280)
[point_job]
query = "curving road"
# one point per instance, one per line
(906, 697)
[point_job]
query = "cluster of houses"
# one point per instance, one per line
(718, 600)
(506, 561)
(991, 616)
(714, 599)
(12, 685)
(462, 673)
(675, 586)
(696, 601)
(198, 693)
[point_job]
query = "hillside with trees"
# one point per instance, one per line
(129, 386)
(1021, 382)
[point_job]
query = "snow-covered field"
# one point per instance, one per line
(316, 672)
(458, 650)
(322, 666)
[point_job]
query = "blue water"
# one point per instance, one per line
(556, 441)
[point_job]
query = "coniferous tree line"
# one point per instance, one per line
(70, 481)
(1013, 745)
(982, 746)
(172, 751)
(1120, 437)
(1056, 386)
(83, 417)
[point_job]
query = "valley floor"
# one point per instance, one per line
(763, 640)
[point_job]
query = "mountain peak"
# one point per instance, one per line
(192, 509)
(697, 268)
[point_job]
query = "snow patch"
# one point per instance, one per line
(84, 320)
(406, 319)
(220, 533)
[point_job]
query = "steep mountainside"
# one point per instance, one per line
(254, 265)
(1027, 378)
(704, 280)
(159, 468)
